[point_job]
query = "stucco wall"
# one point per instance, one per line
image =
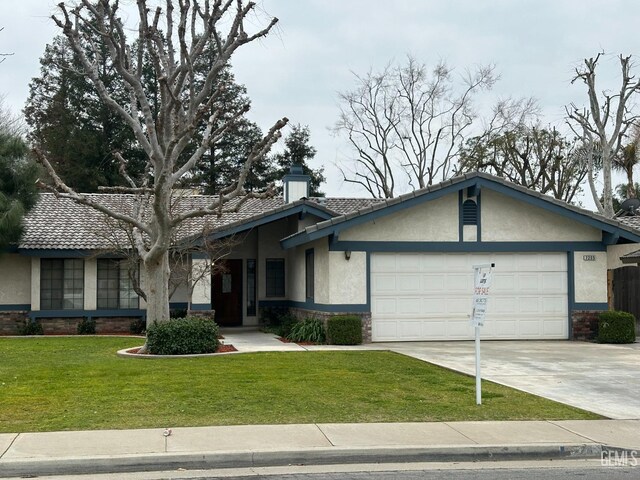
(434, 221)
(15, 283)
(202, 288)
(504, 219)
(348, 278)
(614, 252)
(590, 277)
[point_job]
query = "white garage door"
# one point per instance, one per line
(421, 296)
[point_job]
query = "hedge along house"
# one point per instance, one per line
(404, 265)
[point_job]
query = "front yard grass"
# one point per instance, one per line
(49, 384)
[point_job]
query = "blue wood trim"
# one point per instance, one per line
(125, 312)
(478, 182)
(479, 214)
(178, 305)
(591, 306)
(320, 307)
(366, 246)
(571, 289)
(368, 273)
(557, 209)
(294, 210)
(460, 218)
(57, 253)
(201, 306)
(307, 252)
(15, 306)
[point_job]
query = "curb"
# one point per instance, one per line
(317, 456)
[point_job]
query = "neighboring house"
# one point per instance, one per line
(404, 265)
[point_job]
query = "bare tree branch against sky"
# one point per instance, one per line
(535, 45)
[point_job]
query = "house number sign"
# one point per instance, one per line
(589, 258)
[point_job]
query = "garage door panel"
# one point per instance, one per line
(409, 306)
(384, 306)
(407, 282)
(384, 283)
(528, 296)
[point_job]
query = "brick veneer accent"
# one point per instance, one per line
(585, 324)
(11, 321)
(301, 313)
(208, 314)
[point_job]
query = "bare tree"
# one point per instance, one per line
(603, 126)
(407, 120)
(163, 122)
(534, 157)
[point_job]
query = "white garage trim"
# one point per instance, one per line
(427, 296)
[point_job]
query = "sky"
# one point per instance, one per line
(318, 45)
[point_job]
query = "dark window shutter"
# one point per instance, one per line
(469, 213)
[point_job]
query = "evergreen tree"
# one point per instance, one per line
(18, 191)
(298, 151)
(73, 127)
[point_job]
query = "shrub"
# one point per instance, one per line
(344, 330)
(30, 327)
(183, 336)
(308, 330)
(137, 326)
(616, 327)
(87, 326)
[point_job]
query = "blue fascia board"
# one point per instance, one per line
(306, 208)
(55, 253)
(303, 238)
(366, 246)
(15, 307)
(557, 209)
(476, 183)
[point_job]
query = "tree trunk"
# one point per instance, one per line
(157, 279)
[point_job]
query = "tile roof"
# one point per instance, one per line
(632, 257)
(632, 221)
(60, 223)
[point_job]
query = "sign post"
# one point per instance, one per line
(481, 284)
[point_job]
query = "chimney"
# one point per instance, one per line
(295, 184)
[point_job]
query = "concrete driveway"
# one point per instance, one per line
(604, 379)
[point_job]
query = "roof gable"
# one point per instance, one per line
(612, 228)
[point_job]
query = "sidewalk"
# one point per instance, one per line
(272, 445)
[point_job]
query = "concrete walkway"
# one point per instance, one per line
(270, 445)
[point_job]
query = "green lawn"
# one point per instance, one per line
(79, 383)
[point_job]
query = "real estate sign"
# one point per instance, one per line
(481, 284)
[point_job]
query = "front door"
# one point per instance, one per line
(226, 294)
